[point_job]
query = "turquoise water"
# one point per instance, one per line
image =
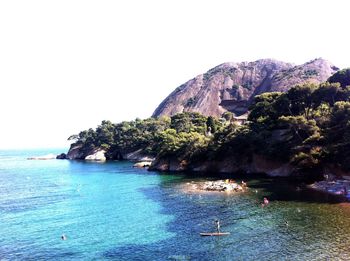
(111, 211)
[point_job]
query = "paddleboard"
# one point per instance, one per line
(215, 234)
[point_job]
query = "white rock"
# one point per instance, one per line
(98, 155)
(137, 155)
(142, 164)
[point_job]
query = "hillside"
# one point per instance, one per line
(232, 86)
(304, 131)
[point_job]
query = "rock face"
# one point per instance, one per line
(61, 156)
(137, 155)
(75, 153)
(232, 86)
(97, 155)
(142, 164)
(258, 164)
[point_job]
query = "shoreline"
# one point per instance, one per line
(337, 187)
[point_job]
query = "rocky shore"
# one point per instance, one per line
(218, 186)
(142, 164)
(335, 183)
(257, 164)
(339, 187)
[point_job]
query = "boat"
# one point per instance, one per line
(214, 234)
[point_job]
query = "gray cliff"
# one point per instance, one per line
(232, 86)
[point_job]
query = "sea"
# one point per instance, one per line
(112, 211)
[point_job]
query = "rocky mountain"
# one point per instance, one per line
(232, 86)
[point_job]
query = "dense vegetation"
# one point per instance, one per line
(308, 126)
(161, 136)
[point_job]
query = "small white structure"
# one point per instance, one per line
(240, 120)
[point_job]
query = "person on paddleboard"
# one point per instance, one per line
(217, 223)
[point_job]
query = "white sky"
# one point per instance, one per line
(67, 65)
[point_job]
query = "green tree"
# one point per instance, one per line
(300, 98)
(342, 77)
(262, 110)
(338, 136)
(228, 116)
(329, 93)
(105, 134)
(189, 122)
(211, 124)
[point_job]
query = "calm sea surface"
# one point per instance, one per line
(111, 211)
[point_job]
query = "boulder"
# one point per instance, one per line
(97, 155)
(223, 185)
(61, 156)
(142, 164)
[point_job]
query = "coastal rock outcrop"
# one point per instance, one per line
(232, 86)
(142, 164)
(170, 164)
(75, 152)
(137, 155)
(79, 152)
(61, 156)
(227, 185)
(97, 155)
(223, 185)
(258, 164)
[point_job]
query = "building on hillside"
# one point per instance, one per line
(240, 120)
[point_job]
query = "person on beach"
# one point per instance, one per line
(217, 223)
